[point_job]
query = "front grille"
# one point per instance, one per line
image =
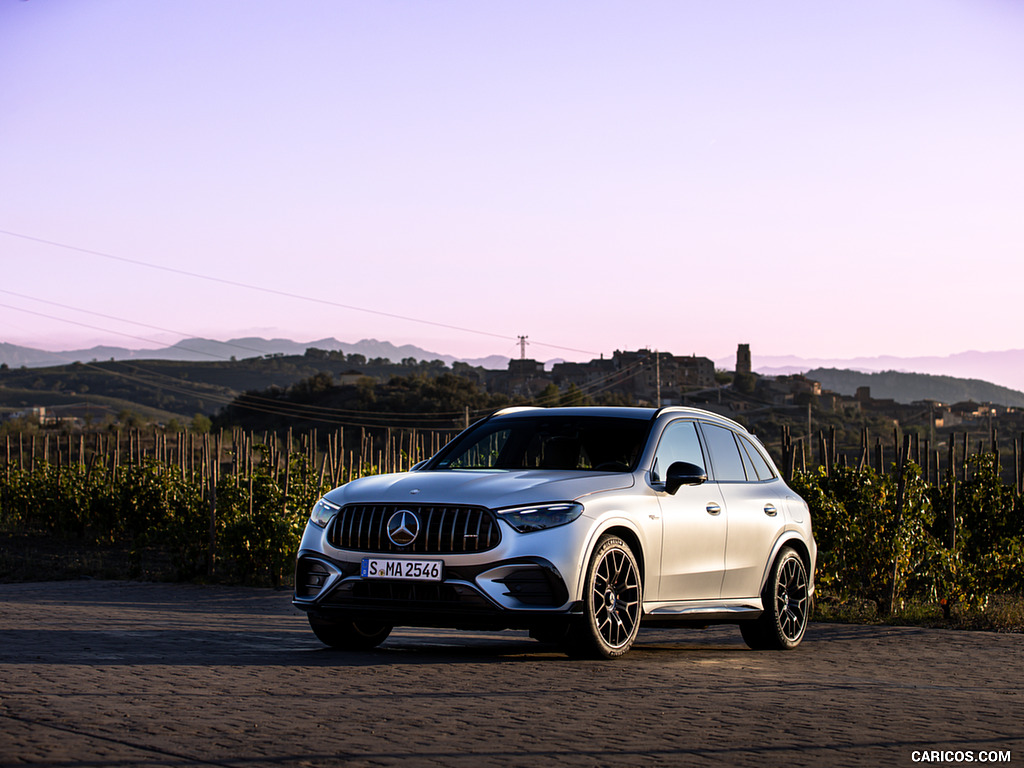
(443, 530)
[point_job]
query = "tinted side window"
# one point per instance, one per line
(762, 467)
(748, 467)
(725, 454)
(679, 442)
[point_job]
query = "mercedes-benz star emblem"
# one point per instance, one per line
(403, 528)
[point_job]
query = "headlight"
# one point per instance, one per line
(323, 512)
(540, 516)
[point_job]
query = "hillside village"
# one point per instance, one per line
(638, 377)
(645, 377)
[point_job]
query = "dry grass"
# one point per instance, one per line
(28, 557)
(996, 613)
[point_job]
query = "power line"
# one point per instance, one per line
(98, 328)
(296, 410)
(272, 405)
(309, 410)
(122, 320)
(326, 414)
(278, 292)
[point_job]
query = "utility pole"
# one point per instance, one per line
(522, 368)
(809, 426)
(657, 375)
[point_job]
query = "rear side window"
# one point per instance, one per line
(725, 454)
(761, 467)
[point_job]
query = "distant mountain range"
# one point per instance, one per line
(208, 349)
(911, 387)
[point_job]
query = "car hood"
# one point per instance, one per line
(486, 488)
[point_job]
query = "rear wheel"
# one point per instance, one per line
(349, 635)
(612, 601)
(786, 606)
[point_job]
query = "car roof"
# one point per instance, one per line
(622, 412)
(619, 411)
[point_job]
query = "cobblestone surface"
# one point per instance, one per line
(122, 674)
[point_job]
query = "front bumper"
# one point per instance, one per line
(516, 592)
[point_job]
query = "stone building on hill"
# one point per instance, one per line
(641, 375)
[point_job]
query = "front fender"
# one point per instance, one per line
(647, 553)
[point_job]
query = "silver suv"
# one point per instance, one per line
(578, 524)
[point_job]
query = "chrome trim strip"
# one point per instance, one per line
(701, 609)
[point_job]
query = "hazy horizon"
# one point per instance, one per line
(1004, 368)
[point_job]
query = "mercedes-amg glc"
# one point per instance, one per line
(578, 524)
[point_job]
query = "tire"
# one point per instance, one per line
(787, 606)
(348, 635)
(612, 603)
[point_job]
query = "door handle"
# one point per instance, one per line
(770, 510)
(713, 509)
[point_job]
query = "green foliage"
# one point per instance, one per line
(865, 535)
(549, 396)
(446, 395)
(744, 383)
(883, 540)
(160, 512)
(574, 397)
(988, 533)
(22, 425)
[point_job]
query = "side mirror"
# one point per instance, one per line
(684, 473)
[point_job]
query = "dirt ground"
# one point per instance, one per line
(101, 673)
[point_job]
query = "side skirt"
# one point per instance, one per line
(702, 611)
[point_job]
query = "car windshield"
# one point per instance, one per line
(597, 443)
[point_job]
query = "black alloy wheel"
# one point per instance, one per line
(787, 606)
(612, 603)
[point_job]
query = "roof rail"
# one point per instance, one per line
(515, 409)
(697, 411)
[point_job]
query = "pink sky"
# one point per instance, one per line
(823, 179)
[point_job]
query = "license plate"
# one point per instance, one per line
(406, 570)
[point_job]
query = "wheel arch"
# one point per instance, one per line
(631, 538)
(794, 542)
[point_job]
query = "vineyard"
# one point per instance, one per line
(946, 531)
(912, 526)
(228, 507)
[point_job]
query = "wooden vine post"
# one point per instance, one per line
(902, 458)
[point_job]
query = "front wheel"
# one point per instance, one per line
(612, 603)
(348, 635)
(787, 603)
